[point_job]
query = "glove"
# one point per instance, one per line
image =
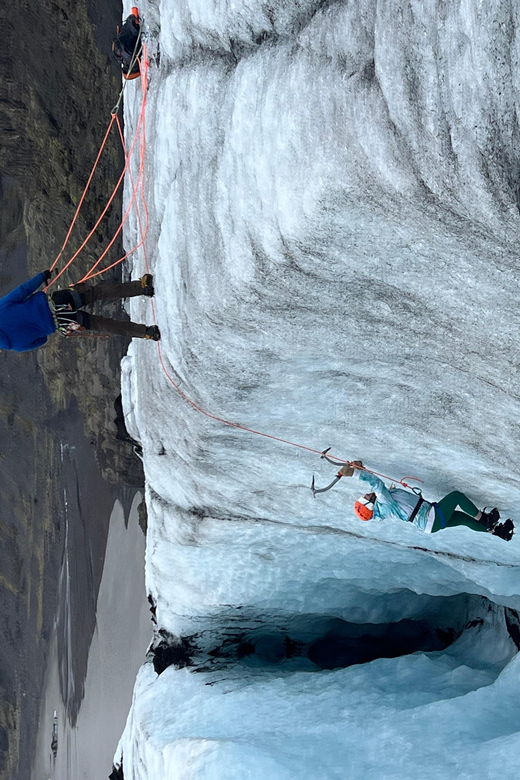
(347, 470)
(48, 275)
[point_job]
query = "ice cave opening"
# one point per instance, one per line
(283, 643)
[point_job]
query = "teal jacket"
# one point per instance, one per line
(396, 503)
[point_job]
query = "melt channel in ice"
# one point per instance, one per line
(334, 199)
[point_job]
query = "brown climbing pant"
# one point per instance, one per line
(108, 291)
(69, 314)
(114, 327)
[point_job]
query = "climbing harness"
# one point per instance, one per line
(420, 502)
(440, 514)
(65, 317)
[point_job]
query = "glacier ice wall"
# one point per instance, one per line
(334, 193)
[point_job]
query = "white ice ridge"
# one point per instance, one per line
(334, 199)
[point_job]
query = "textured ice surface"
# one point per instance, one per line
(334, 195)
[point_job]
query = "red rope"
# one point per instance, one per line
(112, 196)
(95, 226)
(87, 185)
(139, 184)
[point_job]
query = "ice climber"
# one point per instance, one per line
(383, 503)
(127, 45)
(28, 316)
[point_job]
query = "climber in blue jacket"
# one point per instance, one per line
(26, 319)
(28, 316)
(383, 503)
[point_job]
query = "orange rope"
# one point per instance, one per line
(94, 228)
(109, 202)
(87, 185)
(139, 184)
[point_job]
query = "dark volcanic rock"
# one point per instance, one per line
(117, 773)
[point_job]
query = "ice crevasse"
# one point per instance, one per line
(334, 201)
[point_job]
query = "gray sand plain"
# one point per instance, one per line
(123, 632)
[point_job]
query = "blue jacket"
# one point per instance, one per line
(397, 503)
(25, 317)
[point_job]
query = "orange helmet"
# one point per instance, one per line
(134, 11)
(364, 508)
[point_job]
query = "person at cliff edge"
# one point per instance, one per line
(28, 316)
(384, 503)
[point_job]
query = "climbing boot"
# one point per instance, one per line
(147, 285)
(489, 519)
(153, 333)
(504, 530)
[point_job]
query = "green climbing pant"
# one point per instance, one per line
(446, 515)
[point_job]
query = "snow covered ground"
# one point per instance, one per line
(334, 196)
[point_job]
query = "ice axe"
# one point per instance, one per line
(336, 478)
